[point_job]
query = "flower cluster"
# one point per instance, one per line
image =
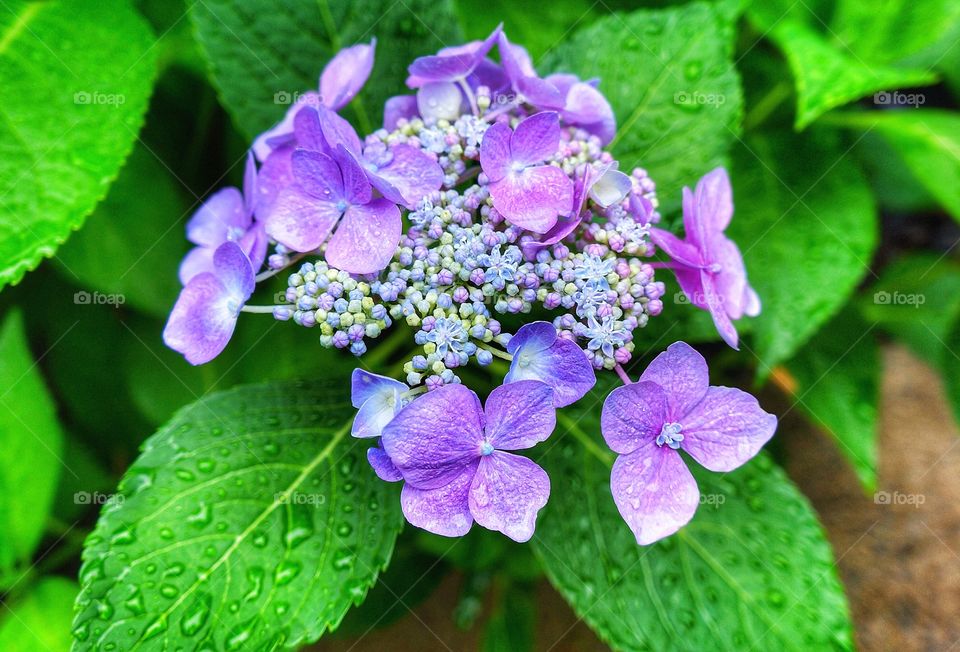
(486, 196)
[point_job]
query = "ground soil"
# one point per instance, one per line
(900, 562)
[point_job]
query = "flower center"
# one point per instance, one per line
(670, 435)
(342, 205)
(486, 448)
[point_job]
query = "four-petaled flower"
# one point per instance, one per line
(527, 193)
(707, 263)
(540, 354)
(672, 407)
(203, 319)
(452, 456)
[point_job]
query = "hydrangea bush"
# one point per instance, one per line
(487, 193)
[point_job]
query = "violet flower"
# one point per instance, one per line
(341, 79)
(671, 408)
(451, 64)
(226, 216)
(332, 192)
(528, 194)
(452, 455)
(708, 265)
(540, 354)
(202, 321)
(377, 399)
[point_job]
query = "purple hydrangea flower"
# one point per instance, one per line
(672, 407)
(452, 455)
(227, 216)
(333, 192)
(377, 399)
(539, 354)
(528, 194)
(708, 264)
(451, 64)
(341, 79)
(202, 321)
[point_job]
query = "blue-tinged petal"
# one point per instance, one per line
(533, 337)
(519, 415)
(563, 366)
(726, 429)
(301, 222)
(443, 510)
(633, 416)
(682, 374)
(382, 465)
(506, 494)
(439, 101)
(346, 74)
(366, 239)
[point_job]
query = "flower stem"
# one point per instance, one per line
(497, 352)
(470, 96)
(260, 309)
(623, 374)
(270, 273)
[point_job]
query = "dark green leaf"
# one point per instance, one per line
(31, 447)
(806, 224)
(263, 52)
(670, 78)
(251, 520)
(513, 623)
(837, 378)
(40, 620)
(75, 77)
(752, 570)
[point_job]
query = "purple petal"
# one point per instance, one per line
(436, 437)
(318, 175)
(365, 385)
(254, 244)
(682, 374)
(751, 302)
(495, 151)
(276, 173)
(346, 74)
(439, 101)
(443, 510)
(356, 185)
(220, 218)
(587, 107)
(535, 139)
(397, 107)
(709, 209)
(516, 60)
(366, 239)
(412, 173)
(232, 267)
(382, 464)
(633, 416)
(679, 250)
(197, 261)
(250, 194)
(273, 138)
(506, 494)
(540, 93)
(717, 311)
(726, 429)
(731, 280)
(610, 187)
(300, 222)
(532, 199)
(533, 337)
(557, 232)
(654, 491)
(202, 321)
(520, 415)
(378, 399)
(306, 127)
(563, 366)
(337, 131)
(437, 68)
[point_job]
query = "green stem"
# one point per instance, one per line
(574, 429)
(767, 105)
(503, 355)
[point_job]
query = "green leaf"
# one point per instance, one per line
(251, 520)
(828, 76)
(75, 77)
(670, 78)
(133, 242)
(263, 52)
(753, 569)
(837, 378)
(806, 224)
(41, 619)
(927, 140)
(31, 445)
(512, 624)
(950, 367)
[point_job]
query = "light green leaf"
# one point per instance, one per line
(31, 445)
(75, 77)
(251, 520)
(837, 378)
(670, 78)
(133, 242)
(805, 222)
(753, 569)
(263, 52)
(927, 140)
(40, 621)
(828, 76)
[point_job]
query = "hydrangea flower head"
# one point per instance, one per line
(671, 408)
(707, 263)
(453, 457)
